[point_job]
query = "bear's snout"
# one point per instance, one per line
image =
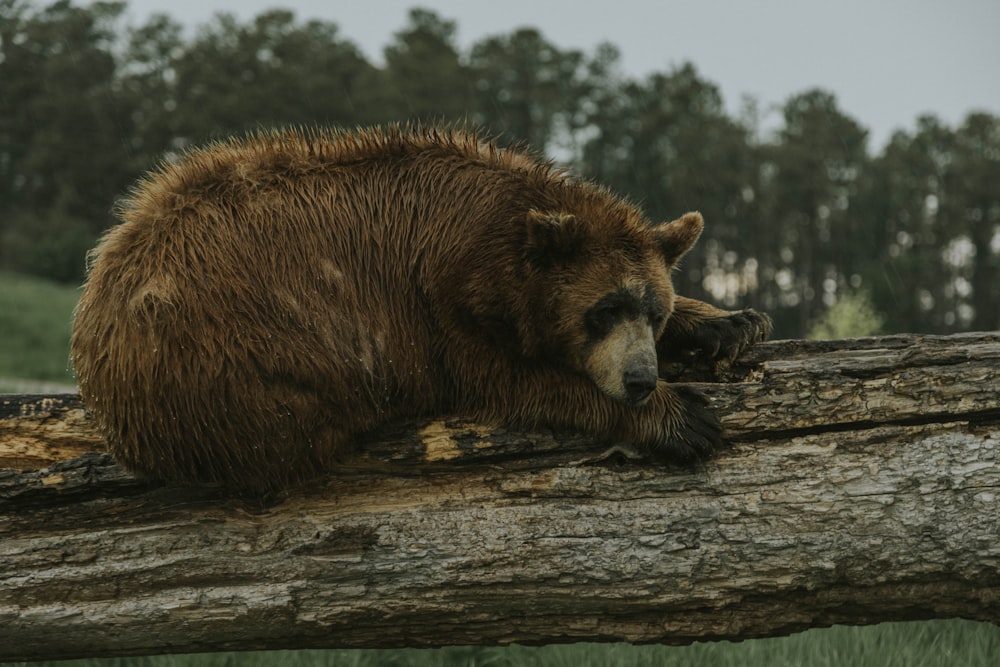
(623, 364)
(639, 383)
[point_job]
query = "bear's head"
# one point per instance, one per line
(607, 294)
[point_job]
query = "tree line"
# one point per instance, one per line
(798, 219)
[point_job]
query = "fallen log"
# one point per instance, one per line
(860, 486)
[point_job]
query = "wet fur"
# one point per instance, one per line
(267, 299)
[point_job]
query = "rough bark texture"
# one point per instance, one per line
(861, 486)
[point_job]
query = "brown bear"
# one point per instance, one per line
(266, 300)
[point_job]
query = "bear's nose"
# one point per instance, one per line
(639, 384)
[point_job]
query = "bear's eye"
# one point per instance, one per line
(602, 318)
(653, 306)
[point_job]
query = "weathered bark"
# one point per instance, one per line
(861, 486)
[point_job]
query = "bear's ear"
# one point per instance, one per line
(676, 238)
(553, 236)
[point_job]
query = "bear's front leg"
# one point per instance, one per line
(674, 426)
(696, 329)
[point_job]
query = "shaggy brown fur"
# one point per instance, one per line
(265, 300)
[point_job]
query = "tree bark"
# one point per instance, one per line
(860, 486)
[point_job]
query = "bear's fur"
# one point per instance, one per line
(266, 300)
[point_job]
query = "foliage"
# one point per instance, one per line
(795, 217)
(852, 316)
(526, 88)
(424, 76)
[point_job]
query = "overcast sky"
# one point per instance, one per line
(887, 61)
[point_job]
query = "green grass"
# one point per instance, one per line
(35, 320)
(916, 644)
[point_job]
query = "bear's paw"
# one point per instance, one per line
(690, 432)
(726, 338)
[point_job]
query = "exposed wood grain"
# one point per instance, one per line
(38, 430)
(861, 486)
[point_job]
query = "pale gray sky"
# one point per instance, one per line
(887, 61)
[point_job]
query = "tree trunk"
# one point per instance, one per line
(860, 486)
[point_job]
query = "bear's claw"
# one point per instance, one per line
(725, 338)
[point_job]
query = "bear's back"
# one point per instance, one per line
(334, 205)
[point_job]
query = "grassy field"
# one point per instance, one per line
(34, 338)
(926, 644)
(35, 318)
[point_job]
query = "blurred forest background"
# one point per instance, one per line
(799, 219)
(804, 221)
